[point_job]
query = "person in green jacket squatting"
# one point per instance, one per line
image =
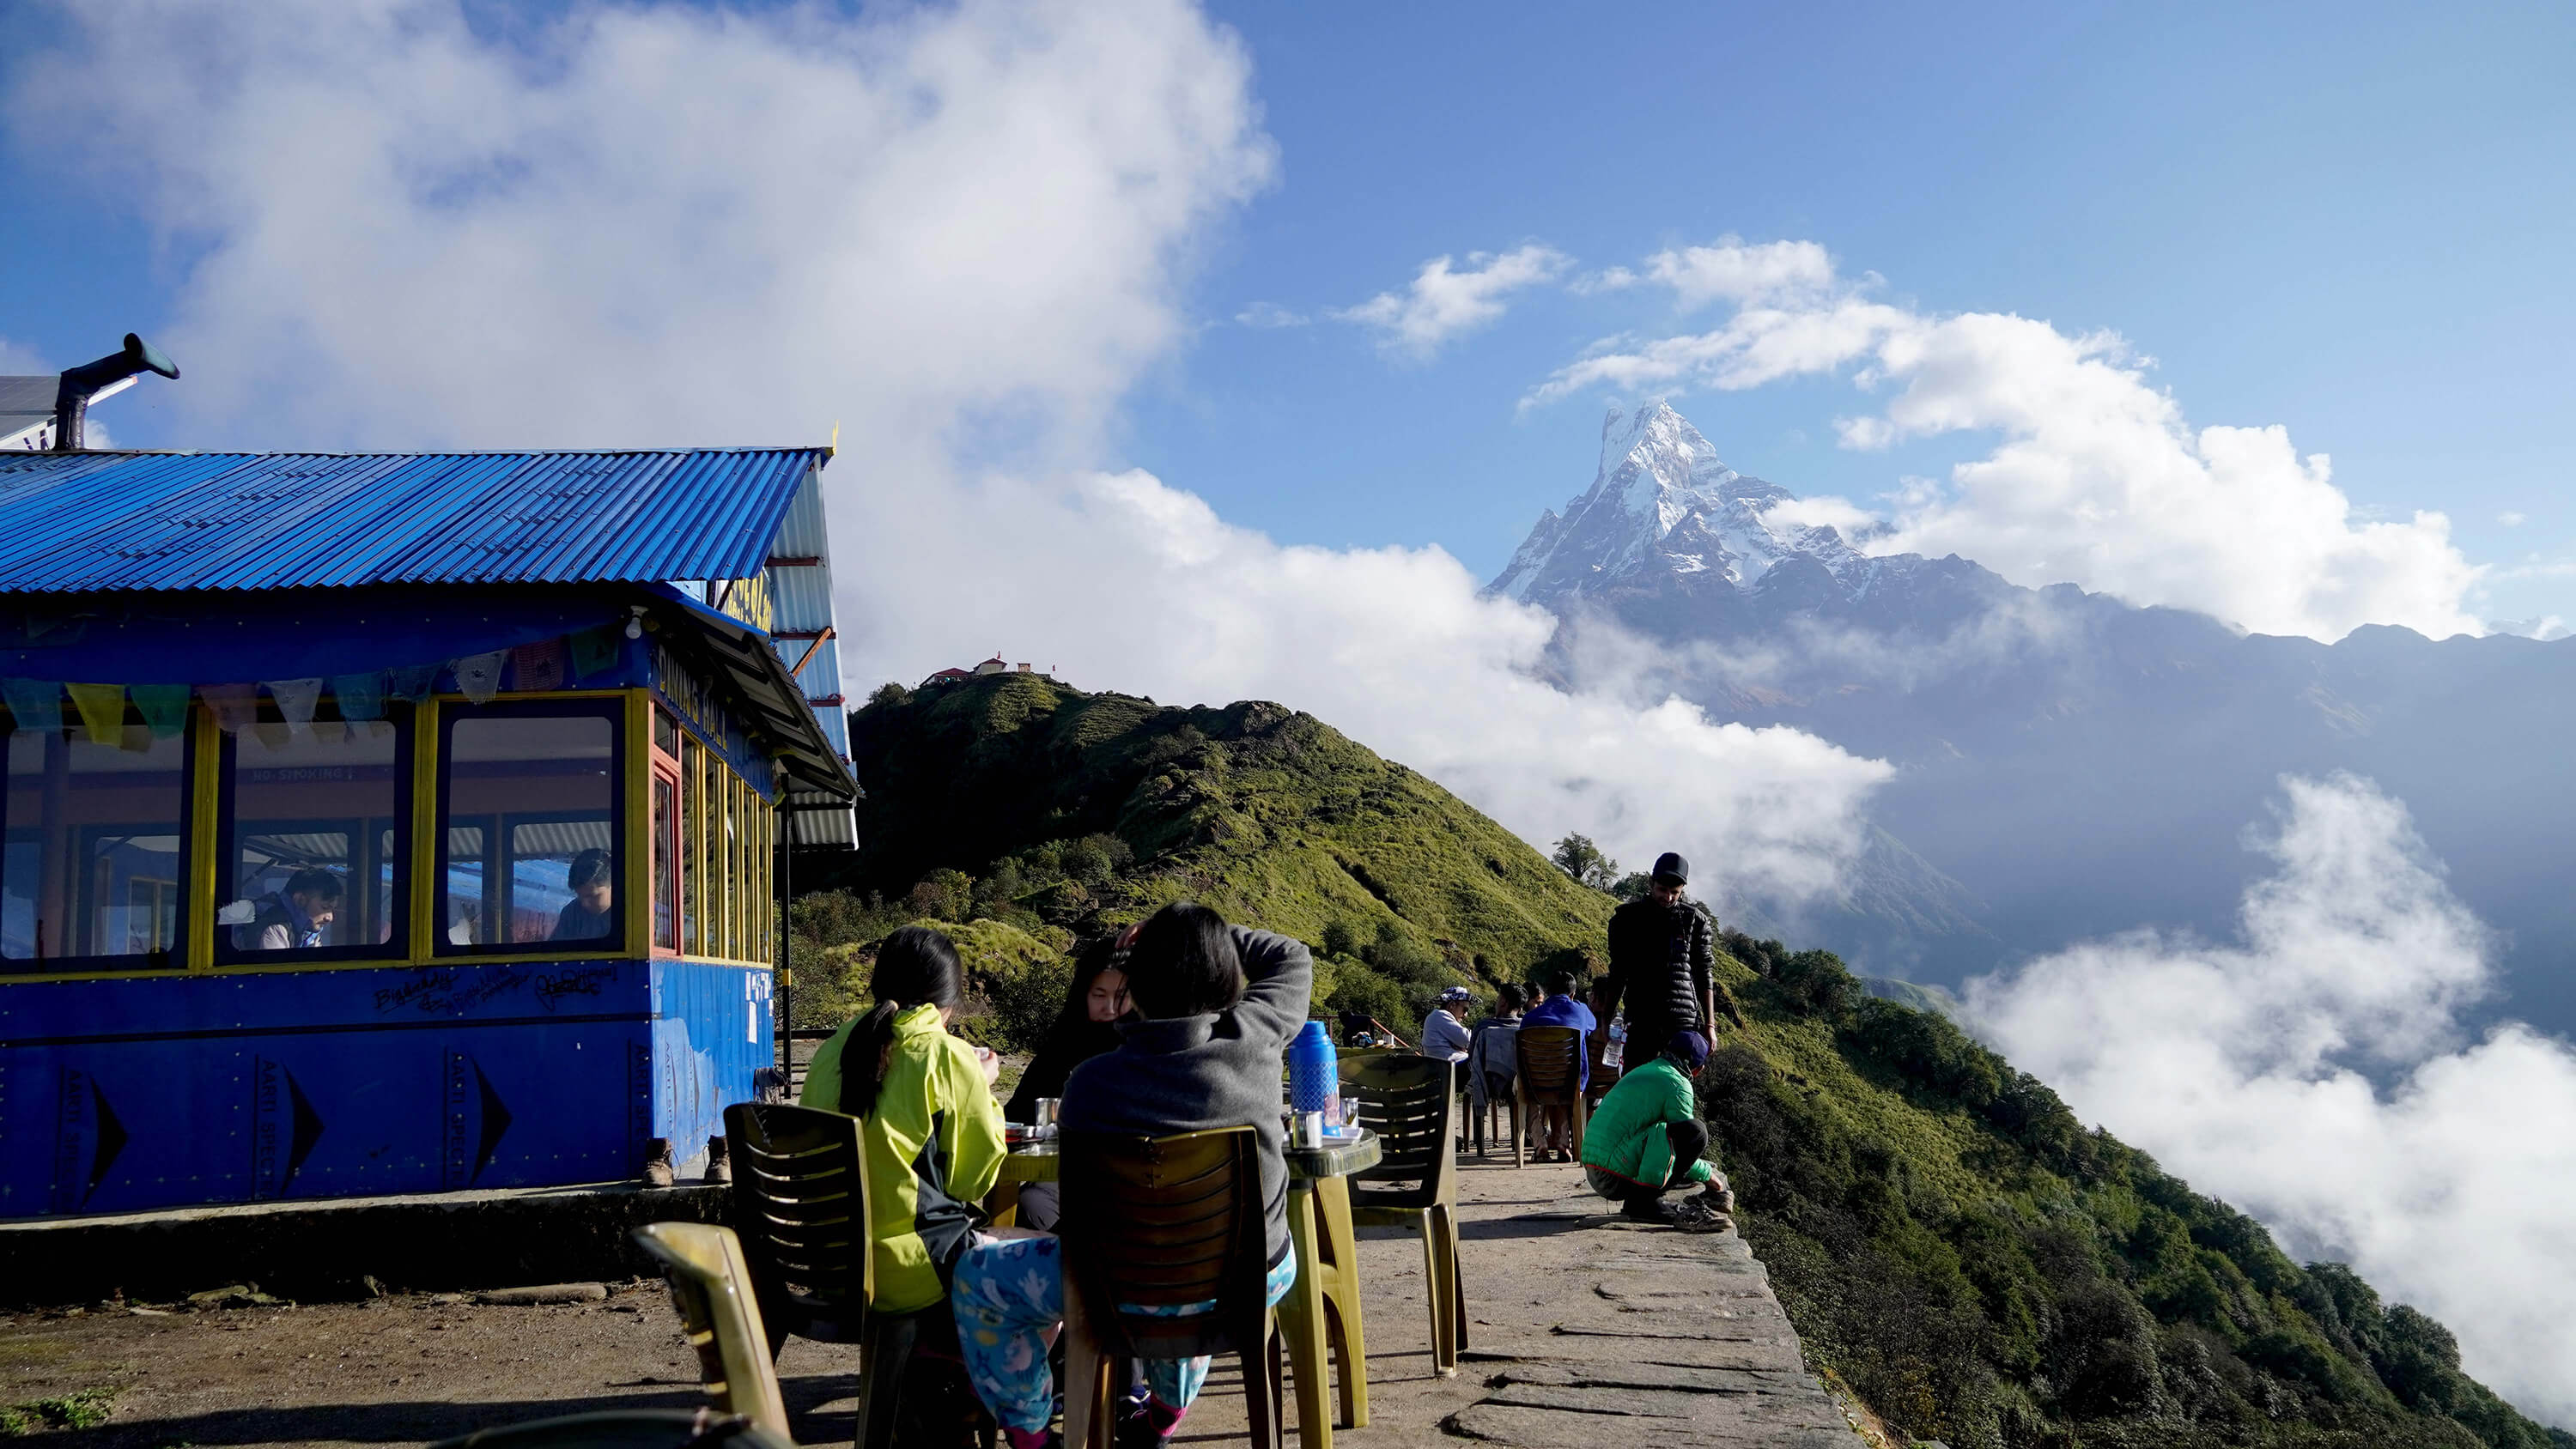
(1646, 1140)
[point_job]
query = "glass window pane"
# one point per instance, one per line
(530, 853)
(760, 888)
(666, 796)
(733, 866)
(692, 866)
(91, 861)
(305, 805)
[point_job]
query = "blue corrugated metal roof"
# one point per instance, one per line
(79, 522)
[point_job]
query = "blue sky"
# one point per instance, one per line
(2349, 221)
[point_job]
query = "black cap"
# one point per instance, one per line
(1671, 867)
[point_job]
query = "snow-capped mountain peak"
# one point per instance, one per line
(1661, 505)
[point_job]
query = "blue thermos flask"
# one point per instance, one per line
(1314, 1078)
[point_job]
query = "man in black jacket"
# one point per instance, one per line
(1661, 961)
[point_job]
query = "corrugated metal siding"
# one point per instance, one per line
(801, 601)
(157, 521)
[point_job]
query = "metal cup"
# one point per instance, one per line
(1046, 1111)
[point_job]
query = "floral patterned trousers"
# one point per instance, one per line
(1008, 1292)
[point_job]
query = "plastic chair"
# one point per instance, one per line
(1160, 1222)
(1550, 1075)
(800, 1204)
(1494, 1043)
(626, 1429)
(711, 1286)
(1408, 1103)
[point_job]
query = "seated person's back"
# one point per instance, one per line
(909, 1082)
(1220, 1004)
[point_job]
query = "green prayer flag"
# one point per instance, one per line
(164, 706)
(595, 650)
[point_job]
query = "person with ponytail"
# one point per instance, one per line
(928, 1125)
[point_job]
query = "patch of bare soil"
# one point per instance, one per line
(406, 1369)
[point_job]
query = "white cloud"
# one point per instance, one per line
(648, 224)
(659, 224)
(2548, 628)
(1731, 271)
(2097, 479)
(1270, 314)
(2512, 519)
(1443, 303)
(2241, 1068)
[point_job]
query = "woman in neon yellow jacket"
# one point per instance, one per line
(928, 1123)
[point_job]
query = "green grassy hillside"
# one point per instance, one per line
(1947, 1237)
(1019, 799)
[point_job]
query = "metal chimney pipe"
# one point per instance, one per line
(80, 384)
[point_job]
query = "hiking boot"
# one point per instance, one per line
(1652, 1210)
(658, 1167)
(719, 1160)
(1717, 1197)
(1694, 1216)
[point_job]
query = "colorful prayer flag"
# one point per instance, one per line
(236, 706)
(164, 706)
(595, 651)
(35, 704)
(539, 666)
(412, 682)
(478, 676)
(102, 711)
(361, 696)
(296, 701)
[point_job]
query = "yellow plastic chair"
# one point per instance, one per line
(800, 1194)
(1549, 1074)
(1407, 1102)
(711, 1286)
(1165, 1221)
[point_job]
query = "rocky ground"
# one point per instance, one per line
(1582, 1331)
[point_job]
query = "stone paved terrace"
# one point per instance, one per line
(1583, 1331)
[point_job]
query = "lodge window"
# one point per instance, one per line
(314, 828)
(693, 834)
(665, 846)
(529, 827)
(94, 859)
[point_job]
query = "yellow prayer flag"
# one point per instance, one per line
(102, 711)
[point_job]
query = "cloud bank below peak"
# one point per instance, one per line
(2096, 479)
(2246, 1068)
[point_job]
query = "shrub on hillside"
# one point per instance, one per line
(1359, 987)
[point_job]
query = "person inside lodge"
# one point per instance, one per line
(296, 917)
(586, 916)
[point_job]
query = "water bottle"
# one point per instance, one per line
(1615, 1055)
(1314, 1079)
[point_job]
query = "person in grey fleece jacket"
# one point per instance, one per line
(1219, 1005)
(1190, 1072)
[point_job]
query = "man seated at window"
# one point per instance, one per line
(585, 916)
(296, 917)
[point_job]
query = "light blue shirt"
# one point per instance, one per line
(1444, 1035)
